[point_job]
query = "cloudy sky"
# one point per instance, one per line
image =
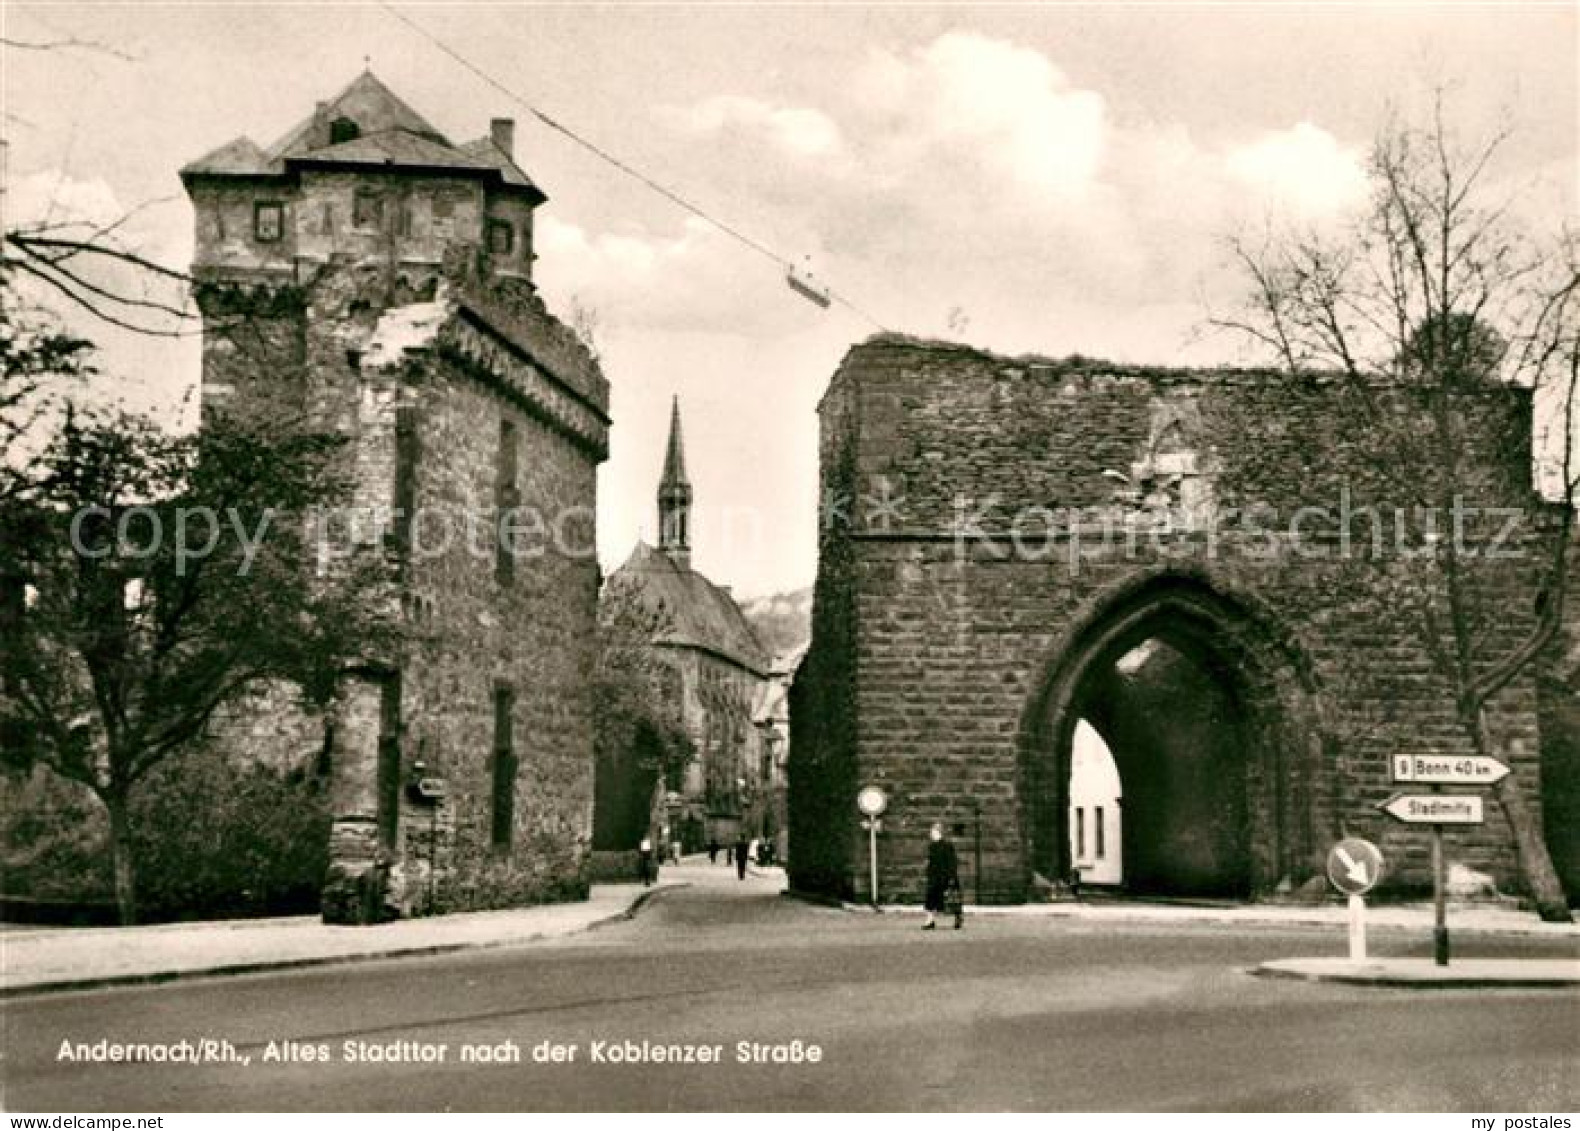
(1052, 178)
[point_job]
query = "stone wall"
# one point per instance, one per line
(996, 529)
(422, 387)
(475, 632)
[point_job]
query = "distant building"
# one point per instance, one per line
(1096, 846)
(725, 675)
(366, 272)
(771, 716)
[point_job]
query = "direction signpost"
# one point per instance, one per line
(1438, 809)
(1436, 770)
(1434, 809)
(1354, 867)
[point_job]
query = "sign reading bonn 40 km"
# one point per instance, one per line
(1437, 769)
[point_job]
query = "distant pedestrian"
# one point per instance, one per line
(943, 879)
(644, 860)
(742, 855)
(713, 850)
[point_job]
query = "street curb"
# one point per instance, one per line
(161, 977)
(817, 900)
(1085, 914)
(637, 904)
(1405, 982)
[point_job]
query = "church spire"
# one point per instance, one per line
(674, 496)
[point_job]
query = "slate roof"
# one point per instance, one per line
(485, 151)
(390, 135)
(392, 147)
(700, 614)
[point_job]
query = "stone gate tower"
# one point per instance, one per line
(366, 272)
(1213, 569)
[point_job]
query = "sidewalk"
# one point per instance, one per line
(1418, 973)
(49, 959)
(1390, 917)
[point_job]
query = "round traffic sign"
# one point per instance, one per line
(871, 801)
(1354, 865)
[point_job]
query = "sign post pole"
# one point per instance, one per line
(1354, 867)
(872, 801)
(1438, 809)
(1439, 900)
(872, 855)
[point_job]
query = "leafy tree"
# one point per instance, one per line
(1433, 290)
(146, 579)
(639, 737)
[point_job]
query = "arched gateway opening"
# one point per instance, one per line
(1205, 709)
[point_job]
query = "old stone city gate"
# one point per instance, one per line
(1209, 570)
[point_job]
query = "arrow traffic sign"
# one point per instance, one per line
(1438, 769)
(1354, 865)
(1434, 808)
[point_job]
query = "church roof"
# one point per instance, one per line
(390, 134)
(698, 613)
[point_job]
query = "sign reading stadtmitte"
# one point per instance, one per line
(1437, 769)
(1434, 809)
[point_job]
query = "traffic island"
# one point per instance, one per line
(1423, 973)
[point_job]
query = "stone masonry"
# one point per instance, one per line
(366, 274)
(996, 532)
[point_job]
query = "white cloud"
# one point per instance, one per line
(698, 280)
(53, 197)
(799, 130)
(1303, 168)
(146, 372)
(973, 172)
(991, 102)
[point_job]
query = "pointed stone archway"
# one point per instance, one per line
(1209, 712)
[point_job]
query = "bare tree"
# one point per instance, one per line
(1435, 290)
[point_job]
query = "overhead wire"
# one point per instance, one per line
(604, 155)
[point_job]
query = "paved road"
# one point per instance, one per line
(1022, 1014)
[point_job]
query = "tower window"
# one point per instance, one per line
(507, 497)
(268, 221)
(389, 763)
(367, 209)
(504, 815)
(501, 237)
(343, 129)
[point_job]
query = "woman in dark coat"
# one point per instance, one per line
(943, 874)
